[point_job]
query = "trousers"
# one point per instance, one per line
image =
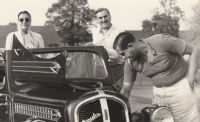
(118, 74)
(180, 98)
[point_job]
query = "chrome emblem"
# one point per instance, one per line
(92, 118)
(56, 67)
(100, 86)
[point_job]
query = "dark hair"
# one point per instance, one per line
(24, 12)
(102, 9)
(122, 40)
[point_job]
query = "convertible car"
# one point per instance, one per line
(72, 84)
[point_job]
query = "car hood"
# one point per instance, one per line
(41, 99)
(46, 92)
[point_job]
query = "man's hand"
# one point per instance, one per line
(191, 75)
(193, 62)
(191, 83)
(131, 53)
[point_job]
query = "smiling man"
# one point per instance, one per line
(105, 36)
(26, 37)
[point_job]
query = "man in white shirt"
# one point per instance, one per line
(105, 36)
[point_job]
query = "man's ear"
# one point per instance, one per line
(130, 45)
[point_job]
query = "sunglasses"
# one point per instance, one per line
(25, 19)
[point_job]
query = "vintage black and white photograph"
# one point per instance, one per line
(100, 61)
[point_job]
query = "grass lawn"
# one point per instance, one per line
(141, 96)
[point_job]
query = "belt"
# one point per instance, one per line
(172, 84)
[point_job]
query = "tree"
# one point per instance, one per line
(71, 19)
(12, 23)
(194, 25)
(165, 19)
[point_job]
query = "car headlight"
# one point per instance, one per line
(162, 114)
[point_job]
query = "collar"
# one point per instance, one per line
(23, 34)
(150, 48)
(151, 52)
(100, 30)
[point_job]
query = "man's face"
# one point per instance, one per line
(138, 49)
(24, 21)
(104, 19)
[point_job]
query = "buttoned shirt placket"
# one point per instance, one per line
(151, 53)
(103, 37)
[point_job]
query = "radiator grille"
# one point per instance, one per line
(89, 109)
(115, 110)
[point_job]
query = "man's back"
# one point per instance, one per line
(165, 64)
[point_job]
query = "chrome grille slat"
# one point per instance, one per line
(39, 112)
(31, 69)
(36, 67)
(32, 64)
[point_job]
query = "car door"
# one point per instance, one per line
(3, 101)
(3, 96)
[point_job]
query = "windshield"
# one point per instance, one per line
(85, 65)
(52, 68)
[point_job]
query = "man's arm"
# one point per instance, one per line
(129, 79)
(178, 46)
(89, 44)
(193, 51)
(111, 52)
(126, 88)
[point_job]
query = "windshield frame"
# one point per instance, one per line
(98, 50)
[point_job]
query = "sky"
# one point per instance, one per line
(126, 14)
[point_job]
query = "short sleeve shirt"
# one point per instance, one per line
(165, 65)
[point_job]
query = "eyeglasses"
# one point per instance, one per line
(24, 19)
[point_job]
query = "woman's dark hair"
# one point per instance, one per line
(24, 12)
(122, 40)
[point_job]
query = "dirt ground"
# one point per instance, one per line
(141, 97)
